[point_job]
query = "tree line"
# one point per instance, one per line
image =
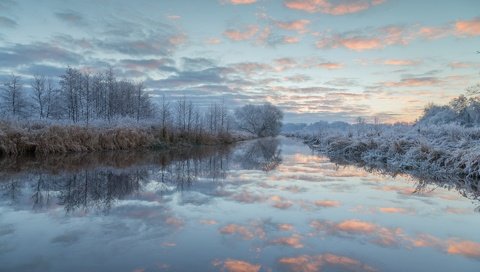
(77, 96)
(81, 97)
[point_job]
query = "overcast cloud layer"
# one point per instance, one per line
(317, 59)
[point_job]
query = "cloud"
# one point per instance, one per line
(297, 78)
(68, 238)
(212, 41)
(368, 39)
(299, 26)
(466, 248)
(7, 4)
(357, 228)
(330, 65)
(463, 65)
(208, 222)
(468, 27)
(280, 202)
(7, 22)
(174, 17)
(460, 28)
(400, 62)
(249, 68)
(232, 265)
(285, 227)
(331, 7)
(307, 263)
(247, 233)
(147, 65)
(290, 40)
(327, 203)
(43, 69)
(394, 210)
(71, 17)
(283, 64)
(35, 53)
(434, 32)
(342, 81)
(293, 241)
(241, 35)
(395, 236)
(153, 44)
(239, 2)
(413, 82)
(195, 64)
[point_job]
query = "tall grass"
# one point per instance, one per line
(20, 138)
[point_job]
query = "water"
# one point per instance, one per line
(269, 205)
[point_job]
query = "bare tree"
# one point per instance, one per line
(39, 94)
(263, 121)
(165, 116)
(13, 97)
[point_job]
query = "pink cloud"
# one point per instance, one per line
(299, 25)
(213, 41)
(178, 39)
(174, 17)
(400, 62)
(327, 203)
(237, 229)
(232, 265)
(208, 222)
(354, 225)
(466, 248)
(239, 35)
(368, 40)
(285, 227)
(239, 2)
(290, 40)
(307, 263)
(246, 232)
(413, 82)
(434, 32)
(280, 202)
(468, 27)
(361, 44)
(330, 65)
(393, 210)
(331, 7)
(292, 241)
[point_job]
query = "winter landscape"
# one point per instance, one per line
(239, 135)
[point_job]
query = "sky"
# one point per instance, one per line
(332, 60)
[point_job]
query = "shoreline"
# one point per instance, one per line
(423, 160)
(44, 139)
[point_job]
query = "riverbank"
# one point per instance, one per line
(430, 152)
(41, 138)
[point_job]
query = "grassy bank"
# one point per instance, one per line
(22, 138)
(436, 152)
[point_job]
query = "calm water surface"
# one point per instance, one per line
(269, 205)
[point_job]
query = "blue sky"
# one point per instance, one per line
(317, 59)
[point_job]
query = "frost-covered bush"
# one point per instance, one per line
(449, 152)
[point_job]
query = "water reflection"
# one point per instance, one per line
(95, 181)
(267, 205)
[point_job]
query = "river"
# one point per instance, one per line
(263, 205)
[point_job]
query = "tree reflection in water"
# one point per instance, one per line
(262, 154)
(95, 181)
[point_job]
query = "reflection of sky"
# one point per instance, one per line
(328, 59)
(305, 215)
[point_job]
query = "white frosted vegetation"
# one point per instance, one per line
(447, 155)
(435, 148)
(85, 112)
